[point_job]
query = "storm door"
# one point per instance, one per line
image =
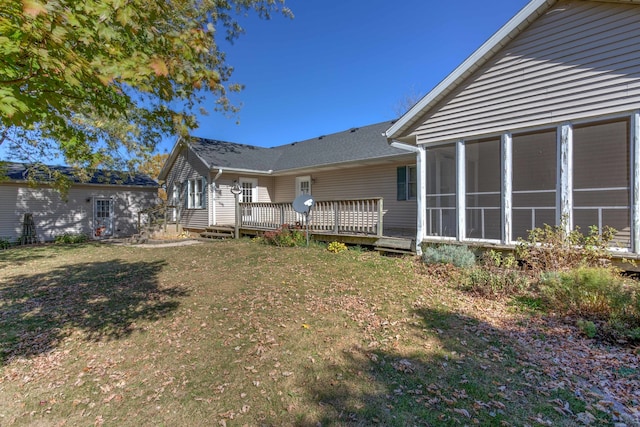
(102, 217)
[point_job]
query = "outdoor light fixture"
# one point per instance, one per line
(235, 188)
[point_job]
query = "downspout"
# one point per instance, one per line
(211, 206)
(421, 163)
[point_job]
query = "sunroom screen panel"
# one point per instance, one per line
(483, 185)
(441, 210)
(534, 181)
(602, 178)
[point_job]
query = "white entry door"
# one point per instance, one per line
(249, 194)
(102, 217)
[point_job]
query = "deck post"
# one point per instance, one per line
(564, 214)
(380, 215)
(421, 164)
(336, 217)
(461, 190)
(507, 186)
(281, 215)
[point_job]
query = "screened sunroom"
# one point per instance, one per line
(496, 189)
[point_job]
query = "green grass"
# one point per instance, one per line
(237, 333)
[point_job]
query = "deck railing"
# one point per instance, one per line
(358, 216)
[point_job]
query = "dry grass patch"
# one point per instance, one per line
(236, 333)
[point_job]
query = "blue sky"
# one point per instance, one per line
(345, 63)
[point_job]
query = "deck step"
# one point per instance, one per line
(395, 245)
(211, 235)
(218, 232)
(219, 229)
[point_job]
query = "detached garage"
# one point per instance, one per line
(104, 206)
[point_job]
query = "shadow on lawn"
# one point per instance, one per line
(468, 361)
(101, 300)
(18, 255)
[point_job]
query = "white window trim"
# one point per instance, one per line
(191, 194)
(300, 180)
(254, 189)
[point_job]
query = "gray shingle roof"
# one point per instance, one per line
(356, 144)
(22, 171)
(231, 155)
(352, 145)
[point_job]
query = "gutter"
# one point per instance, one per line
(421, 163)
(251, 171)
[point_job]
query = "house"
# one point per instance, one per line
(106, 205)
(541, 125)
(351, 175)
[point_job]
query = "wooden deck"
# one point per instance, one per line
(387, 244)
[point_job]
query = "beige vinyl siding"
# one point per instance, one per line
(225, 203)
(357, 183)
(188, 166)
(53, 216)
(581, 59)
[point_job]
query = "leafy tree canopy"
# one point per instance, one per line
(152, 167)
(98, 82)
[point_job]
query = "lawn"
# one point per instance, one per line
(237, 333)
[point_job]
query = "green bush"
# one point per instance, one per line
(71, 238)
(596, 294)
(285, 236)
(586, 291)
(5, 243)
(460, 256)
(587, 327)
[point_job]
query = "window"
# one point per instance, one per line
(175, 201)
(407, 183)
(195, 193)
(303, 185)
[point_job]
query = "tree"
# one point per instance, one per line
(407, 102)
(152, 167)
(99, 82)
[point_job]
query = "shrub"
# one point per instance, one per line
(495, 283)
(71, 238)
(285, 236)
(587, 291)
(5, 243)
(460, 256)
(551, 248)
(599, 294)
(587, 327)
(336, 247)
